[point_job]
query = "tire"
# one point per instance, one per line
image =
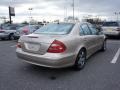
(103, 46)
(3, 39)
(11, 37)
(80, 60)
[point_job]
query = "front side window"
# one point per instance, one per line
(54, 28)
(85, 29)
(93, 29)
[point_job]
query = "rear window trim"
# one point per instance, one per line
(60, 34)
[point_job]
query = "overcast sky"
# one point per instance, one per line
(56, 9)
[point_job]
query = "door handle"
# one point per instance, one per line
(85, 39)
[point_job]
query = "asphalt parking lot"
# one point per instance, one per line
(102, 72)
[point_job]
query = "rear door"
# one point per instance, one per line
(97, 38)
(87, 38)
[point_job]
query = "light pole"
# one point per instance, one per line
(30, 9)
(73, 10)
(117, 15)
(65, 11)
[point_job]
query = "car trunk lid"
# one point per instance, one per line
(37, 44)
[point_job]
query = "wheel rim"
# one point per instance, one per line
(104, 45)
(11, 37)
(81, 60)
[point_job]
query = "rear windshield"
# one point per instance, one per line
(54, 28)
(113, 24)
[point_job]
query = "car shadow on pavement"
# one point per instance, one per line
(48, 73)
(7, 40)
(51, 73)
(113, 38)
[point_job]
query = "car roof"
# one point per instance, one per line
(74, 22)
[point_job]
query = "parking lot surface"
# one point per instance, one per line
(102, 72)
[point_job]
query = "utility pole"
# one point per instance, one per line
(117, 15)
(30, 9)
(73, 9)
(65, 11)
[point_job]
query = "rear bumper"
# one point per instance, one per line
(112, 33)
(16, 36)
(2, 35)
(47, 60)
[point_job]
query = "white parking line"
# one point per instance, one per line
(114, 60)
(13, 46)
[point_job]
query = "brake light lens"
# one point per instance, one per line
(25, 31)
(18, 45)
(118, 29)
(2, 31)
(57, 47)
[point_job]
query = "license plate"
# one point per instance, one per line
(33, 47)
(109, 30)
(17, 32)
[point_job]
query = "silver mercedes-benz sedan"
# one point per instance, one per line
(59, 45)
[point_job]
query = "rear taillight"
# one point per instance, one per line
(25, 31)
(2, 31)
(57, 47)
(18, 45)
(118, 29)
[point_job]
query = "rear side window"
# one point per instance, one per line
(112, 24)
(85, 29)
(81, 31)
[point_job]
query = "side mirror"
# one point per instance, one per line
(98, 28)
(99, 31)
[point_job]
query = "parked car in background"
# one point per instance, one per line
(59, 45)
(111, 28)
(7, 32)
(25, 30)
